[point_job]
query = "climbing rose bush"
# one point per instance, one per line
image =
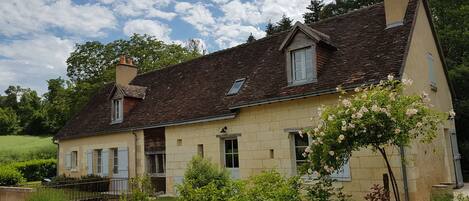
(376, 115)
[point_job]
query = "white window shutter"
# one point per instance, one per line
(123, 157)
(105, 162)
(89, 162)
(68, 161)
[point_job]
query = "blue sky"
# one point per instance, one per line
(37, 35)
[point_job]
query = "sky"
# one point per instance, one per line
(37, 36)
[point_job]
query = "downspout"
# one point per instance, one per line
(404, 174)
(135, 151)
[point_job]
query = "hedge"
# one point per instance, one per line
(10, 176)
(36, 170)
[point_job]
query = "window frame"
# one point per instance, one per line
(291, 65)
(115, 161)
(73, 160)
(234, 91)
(117, 113)
(232, 153)
(99, 161)
(334, 175)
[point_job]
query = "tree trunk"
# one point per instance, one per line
(395, 187)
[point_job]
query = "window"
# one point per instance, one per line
(300, 145)
(99, 161)
(236, 86)
(115, 161)
(231, 153)
(431, 71)
(74, 159)
(302, 65)
(157, 163)
(117, 108)
(200, 150)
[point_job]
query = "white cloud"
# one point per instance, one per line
(229, 35)
(24, 17)
(274, 9)
(135, 8)
(198, 15)
(238, 12)
(31, 62)
(151, 27)
(161, 14)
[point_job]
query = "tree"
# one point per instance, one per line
(250, 39)
(377, 116)
(284, 24)
(92, 64)
(340, 7)
(196, 45)
(270, 28)
(315, 15)
(450, 18)
(9, 122)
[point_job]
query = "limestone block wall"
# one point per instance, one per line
(124, 139)
(261, 129)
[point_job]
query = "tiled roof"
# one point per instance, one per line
(366, 52)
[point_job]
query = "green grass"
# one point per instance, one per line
(166, 199)
(22, 147)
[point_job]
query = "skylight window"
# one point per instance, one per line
(236, 87)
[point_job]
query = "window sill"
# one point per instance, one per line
(309, 179)
(295, 84)
(117, 121)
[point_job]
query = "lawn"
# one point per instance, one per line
(22, 147)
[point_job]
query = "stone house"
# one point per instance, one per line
(242, 107)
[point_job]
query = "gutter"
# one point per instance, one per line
(404, 174)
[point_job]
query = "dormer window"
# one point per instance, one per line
(300, 47)
(117, 110)
(302, 67)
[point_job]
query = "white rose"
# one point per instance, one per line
(397, 131)
(331, 153)
(390, 77)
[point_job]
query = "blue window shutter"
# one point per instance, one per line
(89, 162)
(343, 173)
(123, 157)
(105, 162)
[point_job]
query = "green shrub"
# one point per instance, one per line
(205, 181)
(10, 176)
(322, 190)
(89, 183)
(141, 190)
(271, 185)
(44, 194)
(200, 172)
(36, 170)
(462, 197)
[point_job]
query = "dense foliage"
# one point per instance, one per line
(215, 185)
(89, 67)
(376, 116)
(10, 176)
(323, 190)
(141, 190)
(36, 170)
(377, 193)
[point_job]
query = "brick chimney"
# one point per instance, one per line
(125, 71)
(395, 12)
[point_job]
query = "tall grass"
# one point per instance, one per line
(23, 148)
